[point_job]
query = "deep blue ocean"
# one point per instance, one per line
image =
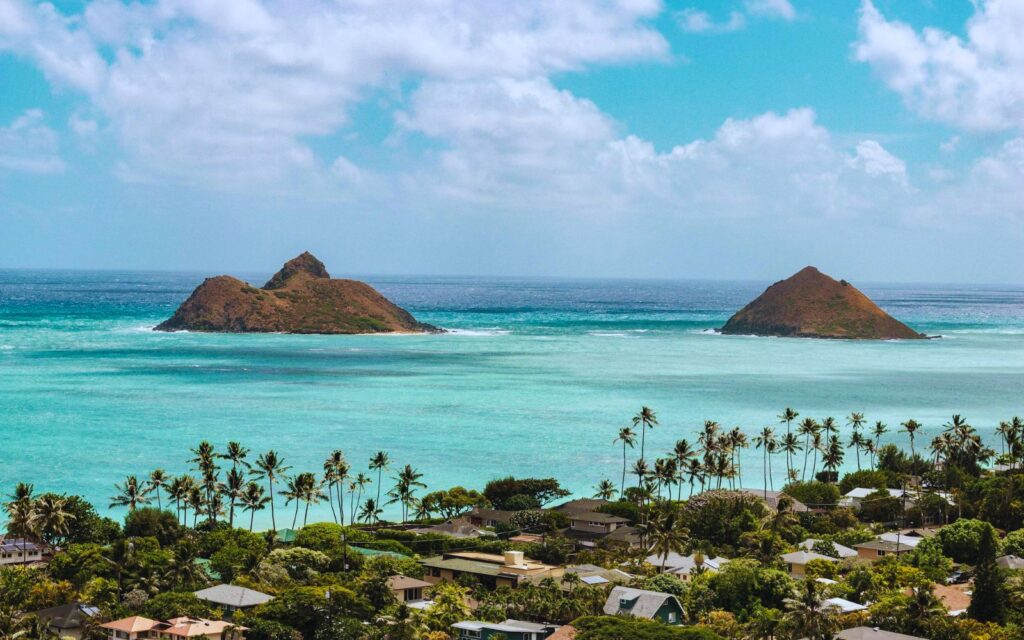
(534, 377)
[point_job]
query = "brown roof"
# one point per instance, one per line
(192, 627)
(568, 632)
(953, 596)
(399, 582)
(133, 624)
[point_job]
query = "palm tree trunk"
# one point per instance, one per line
(273, 518)
(252, 516)
(622, 487)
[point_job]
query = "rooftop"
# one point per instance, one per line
(233, 596)
(869, 633)
(597, 516)
(645, 603)
(885, 545)
(771, 498)
(399, 582)
(842, 551)
(508, 626)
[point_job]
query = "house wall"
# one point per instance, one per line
(588, 527)
(670, 613)
(797, 570)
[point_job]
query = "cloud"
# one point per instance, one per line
(975, 83)
(876, 161)
(771, 8)
(696, 21)
(28, 145)
(242, 86)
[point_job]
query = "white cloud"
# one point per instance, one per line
(228, 92)
(975, 83)
(771, 8)
(28, 145)
(697, 21)
(951, 145)
(876, 161)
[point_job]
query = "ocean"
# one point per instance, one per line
(533, 378)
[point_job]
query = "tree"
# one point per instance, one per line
(666, 534)
(808, 614)
(604, 490)
(988, 602)
(271, 467)
(171, 604)
(378, 463)
(131, 494)
(234, 485)
(628, 438)
(766, 441)
(253, 499)
(787, 417)
(644, 419)
(157, 481)
(962, 540)
(911, 427)
(53, 520)
(449, 607)
(154, 523)
(539, 491)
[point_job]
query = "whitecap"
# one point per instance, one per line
(494, 331)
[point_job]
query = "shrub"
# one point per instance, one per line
(722, 517)
(538, 492)
(162, 525)
(813, 493)
(171, 604)
(865, 478)
(962, 539)
(607, 627)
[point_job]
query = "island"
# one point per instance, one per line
(300, 298)
(810, 304)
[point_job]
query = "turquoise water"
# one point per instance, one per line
(535, 377)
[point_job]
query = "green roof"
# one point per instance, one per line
(286, 535)
(205, 564)
(376, 552)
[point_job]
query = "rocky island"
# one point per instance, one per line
(810, 304)
(300, 298)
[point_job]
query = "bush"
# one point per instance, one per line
(538, 492)
(722, 517)
(162, 525)
(813, 493)
(608, 628)
(962, 539)
(867, 478)
(880, 507)
(171, 604)
(623, 509)
(1013, 543)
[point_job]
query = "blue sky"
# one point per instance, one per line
(878, 140)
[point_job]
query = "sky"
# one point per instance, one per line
(880, 140)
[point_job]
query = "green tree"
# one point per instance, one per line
(449, 607)
(271, 467)
(988, 601)
(171, 604)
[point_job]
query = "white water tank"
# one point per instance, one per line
(514, 559)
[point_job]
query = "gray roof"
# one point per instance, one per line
(885, 545)
(646, 603)
(842, 551)
(771, 498)
(233, 596)
(513, 626)
(492, 514)
(458, 528)
(803, 557)
(17, 545)
(596, 516)
(684, 565)
(1010, 562)
(67, 616)
(870, 633)
(581, 504)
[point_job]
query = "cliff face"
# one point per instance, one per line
(810, 304)
(300, 298)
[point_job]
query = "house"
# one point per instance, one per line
(489, 517)
(856, 496)
(844, 606)
(587, 527)
(67, 620)
(1011, 562)
(507, 630)
(407, 589)
(956, 598)
(137, 627)
(685, 566)
(771, 499)
(19, 551)
(797, 561)
(872, 633)
(457, 528)
(231, 598)
(492, 570)
(592, 574)
(876, 549)
(625, 537)
(842, 551)
(639, 603)
(909, 537)
(581, 505)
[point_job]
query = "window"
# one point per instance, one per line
(435, 572)
(470, 633)
(671, 617)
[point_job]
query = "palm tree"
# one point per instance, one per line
(790, 444)
(52, 517)
(312, 493)
(271, 467)
(294, 488)
(370, 512)
(236, 453)
(816, 443)
(157, 480)
(641, 471)
(378, 463)
(131, 494)
(253, 499)
(878, 431)
(808, 427)
(766, 441)
(832, 457)
(787, 416)
(683, 453)
(666, 534)
(628, 438)
(737, 441)
(911, 426)
(234, 485)
(604, 490)
(336, 469)
(810, 616)
(22, 517)
(360, 482)
(196, 501)
(177, 490)
(695, 470)
(856, 442)
(645, 420)
(665, 474)
(406, 482)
